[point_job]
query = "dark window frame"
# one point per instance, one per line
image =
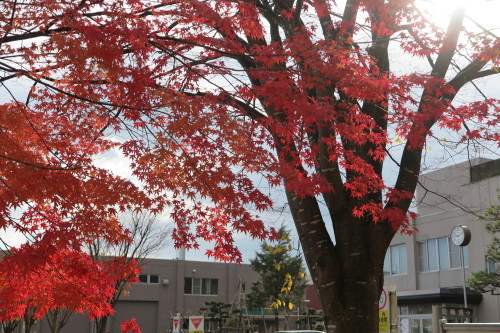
(452, 252)
(201, 286)
(149, 278)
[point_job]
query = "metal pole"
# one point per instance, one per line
(463, 275)
(393, 309)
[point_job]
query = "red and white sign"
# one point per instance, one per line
(383, 302)
(176, 325)
(196, 324)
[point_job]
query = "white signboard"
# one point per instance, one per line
(196, 324)
(176, 325)
(383, 302)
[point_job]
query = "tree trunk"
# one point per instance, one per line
(10, 326)
(348, 274)
(8, 329)
(28, 326)
(57, 319)
(350, 302)
(57, 328)
(101, 324)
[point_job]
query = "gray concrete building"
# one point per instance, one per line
(426, 266)
(169, 287)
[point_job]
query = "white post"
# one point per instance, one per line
(463, 278)
(463, 274)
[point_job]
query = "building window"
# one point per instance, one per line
(149, 278)
(440, 254)
(201, 286)
(492, 267)
(395, 260)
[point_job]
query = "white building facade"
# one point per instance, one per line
(426, 266)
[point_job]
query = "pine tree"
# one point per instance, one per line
(282, 279)
(489, 281)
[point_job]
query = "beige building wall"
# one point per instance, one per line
(447, 198)
(154, 304)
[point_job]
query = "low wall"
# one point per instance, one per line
(471, 328)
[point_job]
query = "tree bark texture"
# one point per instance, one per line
(101, 324)
(348, 275)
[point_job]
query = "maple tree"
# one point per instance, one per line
(51, 191)
(65, 279)
(130, 326)
(203, 97)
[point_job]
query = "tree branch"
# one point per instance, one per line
(449, 44)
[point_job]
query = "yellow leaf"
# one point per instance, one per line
(302, 274)
(277, 266)
(277, 249)
(279, 302)
(399, 140)
(290, 306)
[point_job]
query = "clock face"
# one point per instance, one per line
(460, 235)
(457, 235)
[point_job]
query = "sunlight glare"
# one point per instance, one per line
(484, 11)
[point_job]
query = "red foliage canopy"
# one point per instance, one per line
(206, 96)
(130, 326)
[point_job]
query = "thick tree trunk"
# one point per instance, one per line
(348, 274)
(350, 299)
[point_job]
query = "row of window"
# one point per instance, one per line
(433, 255)
(440, 254)
(149, 278)
(201, 286)
(192, 286)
